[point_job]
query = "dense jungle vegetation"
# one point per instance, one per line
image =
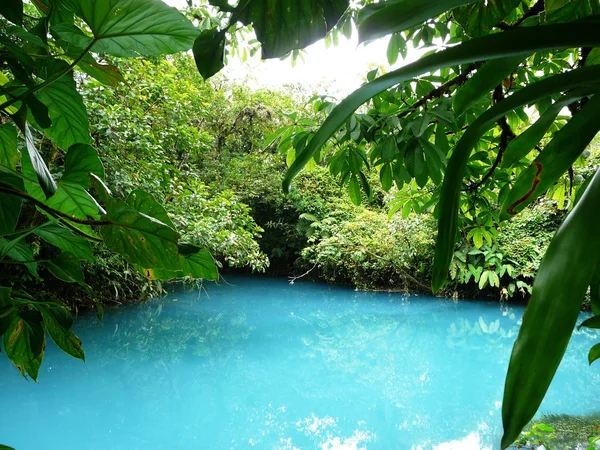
(118, 172)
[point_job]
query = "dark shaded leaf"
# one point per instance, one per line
(58, 322)
(378, 19)
(24, 343)
(287, 25)
(80, 161)
(12, 10)
(66, 268)
(39, 166)
(479, 18)
(209, 52)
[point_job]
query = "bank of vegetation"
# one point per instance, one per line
(214, 153)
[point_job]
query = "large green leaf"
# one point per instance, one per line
(519, 147)
(194, 263)
(147, 204)
(65, 240)
(133, 27)
(66, 109)
(520, 41)
(80, 161)
(559, 289)
(19, 251)
(9, 154)
(10, 209)
(555, 159)
(479, 18)
(58, 322)
(66, 267)
(455, 172)
(490, 75)
(284, 25)
(24, 343)
(209, 52)
(379, 19)
(141, 239)
(12, 10)
(74, 200)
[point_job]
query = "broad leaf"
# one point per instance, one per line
(141, 239)
(74, 200)
(147, 204)
(12, 10)
(19, 251)
(555, 160)
(133, 27)
(594, 353)
(9, 154)
(520, 41)
(58, 322)
(66, 267)
(66, 109)
(80, 161)
(24, 343)
(379, 19)
(209, 52)
(65, 240)
(287, 25)
(559, 289)
(10, 209)
(479, 18)
(200, 265)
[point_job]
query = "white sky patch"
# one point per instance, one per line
(337, 70)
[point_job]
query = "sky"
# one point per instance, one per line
(336, 71)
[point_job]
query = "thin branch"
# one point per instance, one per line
(444, 88)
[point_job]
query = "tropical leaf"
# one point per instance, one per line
(379, 19)
(46, 182)
(12, 10)
(9, 154)
(24, 342)
(451, 187)
(209, 52)
(555, 160)
(287, 25)
(65, 240)
(479, 18)
(66, 110)
(519, 41)
(490, 75)
(559, 288)
(66, 267)
(80, 161)
(131, 27)
(58, 322)
(147, 204)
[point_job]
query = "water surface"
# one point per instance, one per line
(264, 364)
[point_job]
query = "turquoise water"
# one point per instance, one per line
(267, 365)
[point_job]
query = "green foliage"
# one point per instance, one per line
(52, 209)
